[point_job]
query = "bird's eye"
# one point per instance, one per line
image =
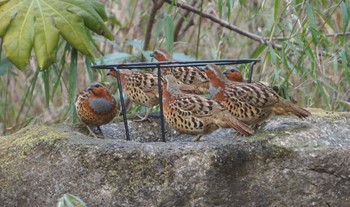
(97, 86)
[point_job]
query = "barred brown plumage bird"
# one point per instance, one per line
(194, 114)
(96, 106)
(188, 75)
(140, 87)
(251, 103)
(233, 74)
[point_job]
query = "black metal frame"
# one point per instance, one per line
(168, 64)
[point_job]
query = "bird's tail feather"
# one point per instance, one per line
(239, 126)
(287, 107)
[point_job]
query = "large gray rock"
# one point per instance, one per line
(290, 162)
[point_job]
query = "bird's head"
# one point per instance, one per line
(170, 84)
(98, 89)
(112, 72)
(213, 72)
(233, 74)
(161, 55)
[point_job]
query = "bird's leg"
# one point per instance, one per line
(198, 137)
(149, 110)
(99, 129)
(90, 130)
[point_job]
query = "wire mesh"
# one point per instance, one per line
(167, 64)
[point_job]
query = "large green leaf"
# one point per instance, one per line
(27, 23)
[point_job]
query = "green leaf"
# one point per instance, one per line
(45, 42)
(220, 5)
(169, 33)
(310, 15)
(273, 55)
(243, 2)
(315, 35)
(18, 40)
(57, 82)
(291, 46)
(277, 7)
(113, 58)
(73, 74)
(69, 200)
(88, 69)
(4, 65)
(257, 52)
(160, 27)
(45, 76)
(38, 24)
(230, 5)
(345, 16)
(345, 64)
(323, 93)
(6, 18)
(3, 2)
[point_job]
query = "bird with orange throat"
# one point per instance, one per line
(234, 74)
(189, 75)
(195, 114)
(96, 106)
(251, 103)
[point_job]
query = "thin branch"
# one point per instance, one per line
(156, 6)
(229, 26)
(219, 21)
(180, 23)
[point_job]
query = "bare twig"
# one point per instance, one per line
(157, 4)
(219, 21)
(240, 31)
(180, 23)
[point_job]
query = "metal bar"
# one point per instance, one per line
(123, 104)
(251, 72)
(176, 63)
(160, 91)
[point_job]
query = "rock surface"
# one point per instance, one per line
(289, 162)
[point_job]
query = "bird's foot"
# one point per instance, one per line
(197, 138)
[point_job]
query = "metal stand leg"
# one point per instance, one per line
(251, 72)
(123, 105)
(161, 103)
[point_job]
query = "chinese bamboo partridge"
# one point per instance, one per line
(187, 75)
(96, 106)
(195, 114)
(233, 74)
(140, 87)
(251, 103)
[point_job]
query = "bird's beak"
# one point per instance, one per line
(110, 72)
(225, 72)
(202, 69)
(151, 55)
(89, 88)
